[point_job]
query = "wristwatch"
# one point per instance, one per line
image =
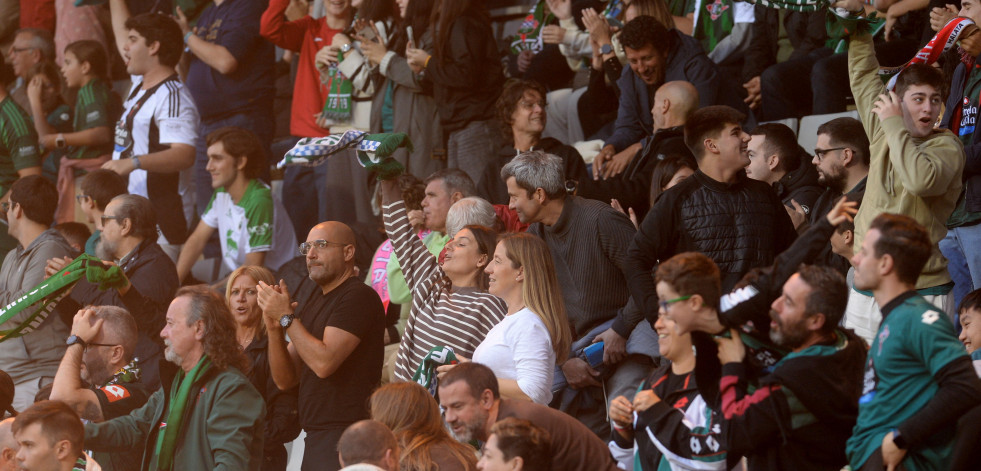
(136, 162)
(606, 49)
(72, 340)
(898, 439)
(345, 48)
(286, 321)
(60, 141)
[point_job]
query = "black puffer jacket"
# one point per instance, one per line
(740, 226)
(800, 185)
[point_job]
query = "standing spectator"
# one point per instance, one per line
(75, 23)
(207, 415)
(368, 445)
(30, 212)
(31, 46)
(230, 76)
(19, 156)
(465, 70)
(775, 158)
(516, 445)
(50, 437)
(305, 36)
(99, 376)
(414, 417)
(282, 424)
(97, 189)
(335, 350)
(914, 169)
(154, 143)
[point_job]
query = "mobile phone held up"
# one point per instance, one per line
(594, 354)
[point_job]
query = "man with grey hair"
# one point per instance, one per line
(8, 446)
(98, 376)
(30, 47)
(129, 239)
(472, 210)
(588, 240)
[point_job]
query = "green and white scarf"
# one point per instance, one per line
(337, 106)
(426, 373)
(181, 392)
(374, 151)
(529, 35)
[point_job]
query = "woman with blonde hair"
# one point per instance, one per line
(413, 416)
(523, 349)
(282, 425)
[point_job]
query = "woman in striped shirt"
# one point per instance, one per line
(450, 304)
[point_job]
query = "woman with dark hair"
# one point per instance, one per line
(670, 171)
(465, 70)
(6, 396)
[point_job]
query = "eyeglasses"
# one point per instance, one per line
(821, 152)
(18, 50)
(79, 198)
(93, 344)
(664, 304)
(319, 243)
(110, 218)
(531, 104)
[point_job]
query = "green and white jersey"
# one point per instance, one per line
(258, 223)
(913, 343)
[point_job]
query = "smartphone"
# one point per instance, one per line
(412, 39)
(367, 33)
(594, 354)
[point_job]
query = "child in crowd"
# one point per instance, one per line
(970, 318)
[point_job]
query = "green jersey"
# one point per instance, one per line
(913, 343)
(18, 143)
(92, 111)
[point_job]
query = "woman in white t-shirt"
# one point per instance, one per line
(523, 348)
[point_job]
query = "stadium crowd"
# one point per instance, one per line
(433, 235)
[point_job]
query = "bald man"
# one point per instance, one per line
(368, 445)
(336, 345)
(8, 446)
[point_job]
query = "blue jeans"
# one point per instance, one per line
(962, 248)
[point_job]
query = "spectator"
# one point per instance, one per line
(970, 318)
(154, 144)
(44, 93)
(230, 76)
(97, 189)
(19, 155)
(450, 307)
(534, 51)
(368, 445)
(467, 78)
(472, 405)
(335, 350)
(282, 424)
(8, 446)
(814, 385)
(920, 177)
(31, 46)
(251, 222)
(414, 417)
(472, 210)
(918, 380)
(664, 405)
(749, 210)
(99, 375)
(775, 158)
(213, 415)
(50, 437)
(523, 349)
(75, 233)
(670, 171)
(30, 212)
(593, 284)
(129, 240)
(516, 444)
(6, 395)
(305, 36)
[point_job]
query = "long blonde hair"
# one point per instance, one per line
(540, 290)
(258, 274)
(413, 416)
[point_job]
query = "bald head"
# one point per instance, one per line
(333, 231)
(368, 441)
(8, 446)
(330, 265)
(674, 102)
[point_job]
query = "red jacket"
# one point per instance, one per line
(306, 36)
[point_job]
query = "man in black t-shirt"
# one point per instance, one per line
(98, 376)
(336, 346)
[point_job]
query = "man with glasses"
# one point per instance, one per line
(129, 239)
(336, 341)
(30, 47)
(98, 376)
(32, 359)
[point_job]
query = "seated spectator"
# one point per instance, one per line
(75, 233)
(450, 307)
(414, 417)
(97, 189)
(472, 210)
(30, 212)
(665, 404)
(31, 46)
(775, 158)
(368, 445)
(670, 171)
(207, 415)
(472, 404)
(99, 375)
(970, 318)
(281, 421)
(516, 445)
(252, 223)
(8, 446)
(50, 437)
(129, 239)
(523, 349)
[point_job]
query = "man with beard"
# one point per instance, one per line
(335, 350)
(207, 415)
(472, 403)
(98, 375)
(802, 412)
(129, 239)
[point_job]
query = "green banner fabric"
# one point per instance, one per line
(715, 21)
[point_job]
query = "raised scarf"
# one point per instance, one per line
(945, 39)
(714, 20)
(529, 35)
(180, 393)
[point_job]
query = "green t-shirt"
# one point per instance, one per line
(18, 143)
(913, 343)
(92, 111)
(965, 131)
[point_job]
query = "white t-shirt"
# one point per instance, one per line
(257, 223)
(175, 121)
(520, 348)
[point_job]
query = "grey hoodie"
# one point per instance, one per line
(38, 353)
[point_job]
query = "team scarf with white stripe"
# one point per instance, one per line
(45, 296)
(425, 374)
(945, 39)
